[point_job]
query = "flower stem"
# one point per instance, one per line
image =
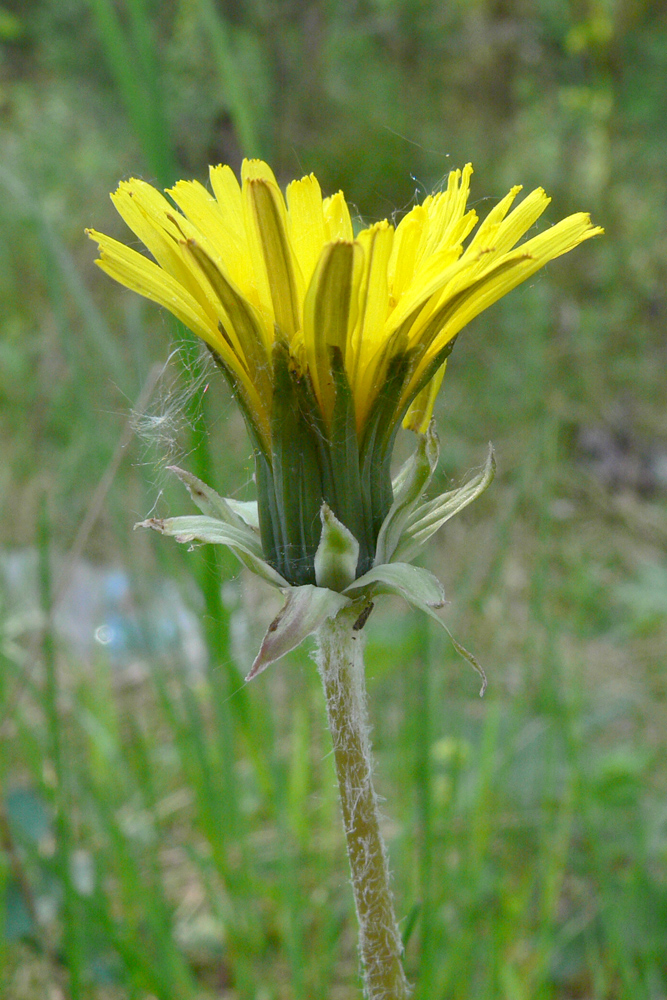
(341, 665)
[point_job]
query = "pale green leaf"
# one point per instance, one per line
(426, 519)
(213, 505)
(421, 589)
(337, 554)
(305, 609)
(408, 487)
(243, 542)
(415, 584)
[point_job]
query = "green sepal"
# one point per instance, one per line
(247, 510)
(270, 527)
(296, 474)
(421, 589)
(467, 655)
(241, 399)
(213, 505)
(408, 488)
(343, 448)
(311, 413)
(243, 542)
(305, 609)
(338, 453)
(243, 319)
(327, 314)
(417, 585)
(337, 554)
(375, 447)
(432, 367)
(429, 517)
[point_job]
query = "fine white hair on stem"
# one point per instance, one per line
(341, 665)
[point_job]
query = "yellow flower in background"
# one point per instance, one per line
(329, 340)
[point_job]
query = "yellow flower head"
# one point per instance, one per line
(329, 340)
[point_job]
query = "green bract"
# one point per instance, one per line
(334, 565)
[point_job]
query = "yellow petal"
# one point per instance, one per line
(182, 230)
(440, 269)
(337, 221)
(241, 324)
(226, 241)
(420, 411)
(374, 305)
(561, 238)
(405, 255)
(326, 316)
(516, 225)
(266, 225)
(235, 269)
(141, 275)
(306, 223)
(460, 230)
(485, 235)
(376, 244)
(155, 222)
(258, 170)
(466, 302)
(445, 210)
(508, 272)
(227, 191)
(149, 219)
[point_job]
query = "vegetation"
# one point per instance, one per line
(167, 832)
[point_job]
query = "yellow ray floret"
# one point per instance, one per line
(244, 267)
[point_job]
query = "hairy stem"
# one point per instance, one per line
(341, 665)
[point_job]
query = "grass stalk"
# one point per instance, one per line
(131, 58)
(241, 108)
(71, 944)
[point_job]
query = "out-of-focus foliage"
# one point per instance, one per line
(199, 853)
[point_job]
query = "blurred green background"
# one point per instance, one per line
(167, 833)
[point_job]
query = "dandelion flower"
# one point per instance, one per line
(330, 340)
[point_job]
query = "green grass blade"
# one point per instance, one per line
(133, 64)
(59, 762)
